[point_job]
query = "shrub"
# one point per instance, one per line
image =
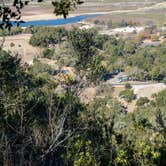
(142, 101)
(44, 36)
(39, 68)
(12, 44)
(97, 22)
(128, 95)
(15, 31)
(164, 80)
(128, 86)
(48, 53)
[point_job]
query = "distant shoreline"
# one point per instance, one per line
(53, 16)
(34, 16)
(57, 21)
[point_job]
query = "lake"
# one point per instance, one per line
(54, 22)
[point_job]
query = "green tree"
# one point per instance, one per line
(83, 44)
(35, 121)
(161, 98)
(129, 47)
(128, 95)
(48, 53)
(39, 68)
(96, 70)
(45, 36)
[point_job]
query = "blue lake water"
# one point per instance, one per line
(54, 22)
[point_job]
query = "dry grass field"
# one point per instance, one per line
(140, 91)
(19, 45)
(44, 10)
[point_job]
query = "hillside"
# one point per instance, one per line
(91, 92)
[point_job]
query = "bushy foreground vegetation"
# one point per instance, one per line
(42, 127)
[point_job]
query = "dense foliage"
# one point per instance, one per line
(81, 46)
(35, 121)
(97, 54)
(40, 126)
(45, 36)
(142, 101)
(48, 53)
(150, 63)
(127, 94)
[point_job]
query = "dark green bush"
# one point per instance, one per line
(44, 36)
(48, 53)
(142, 101)
(128, 95)
(39, 68)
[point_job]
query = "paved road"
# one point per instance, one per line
(135, 84)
